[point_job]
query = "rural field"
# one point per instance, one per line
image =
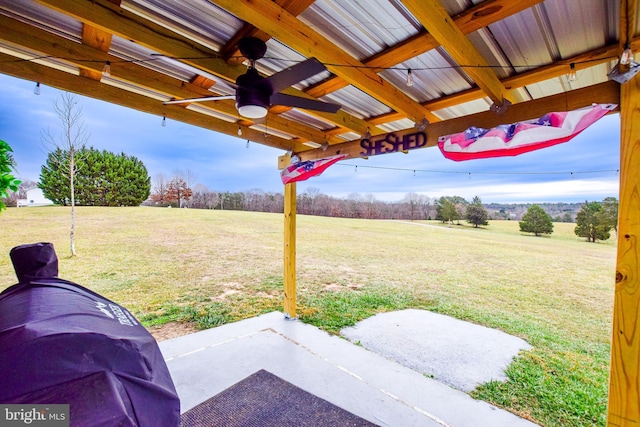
(189, 269)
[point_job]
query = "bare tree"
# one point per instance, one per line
(370, 203)
(255, 200)
(199, 198)
(312, 193)
(211, 200)
(355, 201)
(159, 190)
(203, 198)
(425, 203)
(190, 178)
(181, 185)
(413, 202)
(71, 141)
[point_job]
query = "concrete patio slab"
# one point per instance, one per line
(458, 353)
(375, 388)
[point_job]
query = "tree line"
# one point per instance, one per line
(178, 190)
(594, 219)
(108, 179)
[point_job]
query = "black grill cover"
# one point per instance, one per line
(61, 343)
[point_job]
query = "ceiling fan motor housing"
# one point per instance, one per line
(252, 95)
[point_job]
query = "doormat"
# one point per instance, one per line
(263, 399)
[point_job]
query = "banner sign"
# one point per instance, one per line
(393, 143)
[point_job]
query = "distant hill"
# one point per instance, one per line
(559, 212)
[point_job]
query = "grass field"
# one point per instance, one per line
(213, 267)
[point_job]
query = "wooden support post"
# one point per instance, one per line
(290, 250)
(624, 381)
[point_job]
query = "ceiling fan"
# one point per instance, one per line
(255, 93)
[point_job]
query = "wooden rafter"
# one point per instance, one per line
(437, 21)
(230, 50)
(98, 39)
(473, 19)
(627, 23)
(110, 18)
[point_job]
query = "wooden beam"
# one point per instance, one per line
(626, 28)
(230, 50)
(437, 21)
(276, 21)
(290, 250)
(89, 58)
(97, 39)
(624, 378)
(91, 88)
(472, 19)
(606, 93)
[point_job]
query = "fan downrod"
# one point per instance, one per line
(252, 48)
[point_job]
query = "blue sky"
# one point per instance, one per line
(570, 172)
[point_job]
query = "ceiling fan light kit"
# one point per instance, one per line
(252, 95)
(252, 111)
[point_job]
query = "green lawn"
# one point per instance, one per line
(213, 267)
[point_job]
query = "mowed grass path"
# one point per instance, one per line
(213, 267)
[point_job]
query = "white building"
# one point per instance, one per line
(35, 197)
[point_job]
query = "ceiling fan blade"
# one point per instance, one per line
(305, 103)
(205, 98)
(295, 74)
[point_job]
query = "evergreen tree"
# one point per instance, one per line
(476, 213)
(439, 204)
(54, 178)
(610, 210)
(593, 222)
(7, 165)
(102, 179)
(450, 208)
(536, 221)
(448, 211)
